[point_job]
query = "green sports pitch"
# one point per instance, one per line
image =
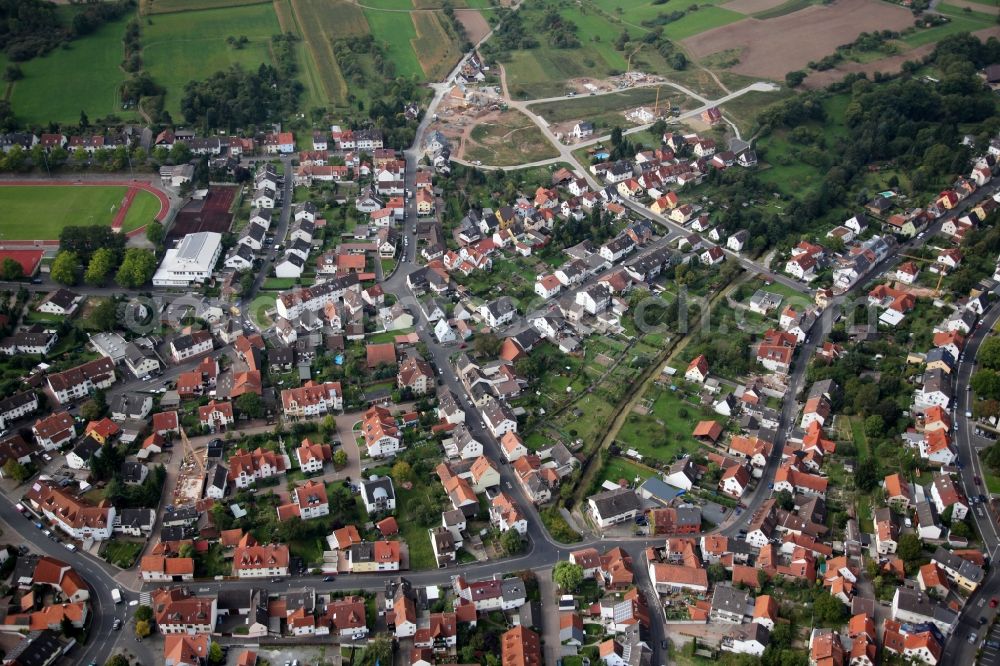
(39, 212)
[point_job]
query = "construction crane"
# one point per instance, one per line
(937, 289)
(188, 450)
(628, 63)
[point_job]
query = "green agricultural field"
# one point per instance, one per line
(697, 22)
(85, 75)
(168, 6)
(389, 4)
(178, 48)
(634, 12)
(395, 31)
(961, 21)
(437, 50)
(321, 23)
(40, 212)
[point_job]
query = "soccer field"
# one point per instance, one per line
(40, 212)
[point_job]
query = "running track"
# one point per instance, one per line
(133, 189)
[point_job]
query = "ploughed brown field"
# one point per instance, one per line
(771, 48)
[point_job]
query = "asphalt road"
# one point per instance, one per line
(958, 650)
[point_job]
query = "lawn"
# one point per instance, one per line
(512, 139)
(40, 212)
(122, 553)
(143, 210)
(310, 550)
(666, 430)
(619, 468)
(84, 75)
(183, 47)
(411, 530)
(396, 32)
(860, 439)
(278, 283)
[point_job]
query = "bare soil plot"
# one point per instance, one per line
(506, 138)
(776, 46)
(752, 6)
(474, 23)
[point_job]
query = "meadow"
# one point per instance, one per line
(960, 21)
(604, 110)
(84, 75)
(396, 32)
(40, 212)
(183, 47)
(508, 140)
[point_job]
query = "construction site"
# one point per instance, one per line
(191, 477)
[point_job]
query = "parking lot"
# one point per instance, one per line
(990, 656)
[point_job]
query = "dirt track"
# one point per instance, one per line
(805, 35)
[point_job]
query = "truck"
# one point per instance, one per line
(116, 595)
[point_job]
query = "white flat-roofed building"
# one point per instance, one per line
(192, 261)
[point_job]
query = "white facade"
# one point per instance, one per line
(192, 261)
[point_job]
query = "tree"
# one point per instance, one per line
(105, 315)
(511, 542)
(155, 233)
(13, 73)
(989, 354)
(762, 579)
(402, 471)
(486, 344)
(91, 411)
(143, 628)
(379, 651)
(909, 548)
(250, 404)
(717, 572)
(785, 500)
(137, 268)
(102, 262)
(795, 78)
(144, 613)
(867, 477)
(339, 459)
(64, 268)
(117, 660)
(567, 576)
(12, 469)
(874, 426)
(186, 550)
(986, 383)
(828, 609)
(215, 655)
(11, 270)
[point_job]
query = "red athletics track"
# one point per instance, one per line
(133, 188)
